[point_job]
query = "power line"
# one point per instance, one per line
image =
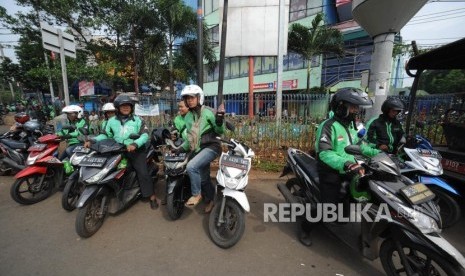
(416, 23)
(435, 17)
(434, 13)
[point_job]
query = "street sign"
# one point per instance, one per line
(56, 40)
(288, 84)
(265, 85)
(50, 40)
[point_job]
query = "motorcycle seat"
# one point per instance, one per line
(308, 165)
(14, 144)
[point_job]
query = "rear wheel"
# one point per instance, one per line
(449, 209)
(296, 189)
(90, 218)
(227, 233)
(422, 261)
(31, 189)
(175, 203)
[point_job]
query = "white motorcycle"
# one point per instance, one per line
(227, 219)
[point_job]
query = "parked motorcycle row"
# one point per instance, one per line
(98, 181)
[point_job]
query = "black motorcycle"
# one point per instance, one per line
(409, 229)
(14, 145)
(111, 185)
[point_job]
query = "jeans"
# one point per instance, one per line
(68, 152)
(198, 170)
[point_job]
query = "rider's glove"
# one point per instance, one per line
(353, 169)
(219, 118)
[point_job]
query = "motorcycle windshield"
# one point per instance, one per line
(106, 146)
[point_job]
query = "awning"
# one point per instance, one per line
(449, 56)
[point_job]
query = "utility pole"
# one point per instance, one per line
(279, 81)
(199, 44)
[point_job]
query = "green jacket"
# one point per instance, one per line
(180, 125)
(120, 131)
(383, 131)
(331, 139)
(75, 133)
(207, 127)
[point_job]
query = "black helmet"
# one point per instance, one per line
(123, 99)
(392, 103)
(159, 135)
(348, 95)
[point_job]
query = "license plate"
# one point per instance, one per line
(451, 165)
(81, 149)
(234, 162)
(172, 157)
(96, 162)
(417, 193)
(37, 147)
(429, 153)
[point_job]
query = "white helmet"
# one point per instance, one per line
(74, 109)
(192, 90)
(108, 107)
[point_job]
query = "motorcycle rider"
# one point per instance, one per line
(334, 165)
(109, 111)
(385, 132)
(120, 127)
(202, 126)
(74, 113)
(179, 123)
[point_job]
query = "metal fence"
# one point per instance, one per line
(301, 114)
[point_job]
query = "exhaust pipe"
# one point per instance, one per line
(286, 193)
(10, 163)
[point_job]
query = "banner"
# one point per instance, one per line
(86, 88)
(147, 110)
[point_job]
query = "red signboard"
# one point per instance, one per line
(86, 88)
(289, 84)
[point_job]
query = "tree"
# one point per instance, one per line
(316, 40)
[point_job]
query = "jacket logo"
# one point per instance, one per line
(324, 138)
(340, 138)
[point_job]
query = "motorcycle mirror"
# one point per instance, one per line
(353, 149)
(134, 136)
(230, 126)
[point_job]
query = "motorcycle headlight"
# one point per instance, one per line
(101, 174)
(425, 223)
(233, 172)
(76, 159)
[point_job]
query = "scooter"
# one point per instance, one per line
(226, 223)
(44, 171)
(110, 186)
(178, 185)
(409, 229)
(424, 165)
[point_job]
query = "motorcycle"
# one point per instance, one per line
(44, 171)
(110, 186)
(424, 165)
(409, 229)
(227, 219)
(72, 190)
(178, 185)
(14, 145)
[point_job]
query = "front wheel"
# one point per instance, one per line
(449, 209)
(421, 260)
(228, 232)
(71, 193)
(174, 203)
(90, 217)
(31, 189)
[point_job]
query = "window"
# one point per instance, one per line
(214, 35)
(235, 67)
(227, 68)
(269, 65)
(313, 7)
(297, 10)
(244, 66)
(207, 6)
(257, 64)
(295, 61)
(215, 5)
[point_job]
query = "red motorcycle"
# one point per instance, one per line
(44, 171)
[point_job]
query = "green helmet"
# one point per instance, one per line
(358, 195)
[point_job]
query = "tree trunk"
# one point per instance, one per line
(309, 63)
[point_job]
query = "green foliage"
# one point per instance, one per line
(316, 40)
(443, 81)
